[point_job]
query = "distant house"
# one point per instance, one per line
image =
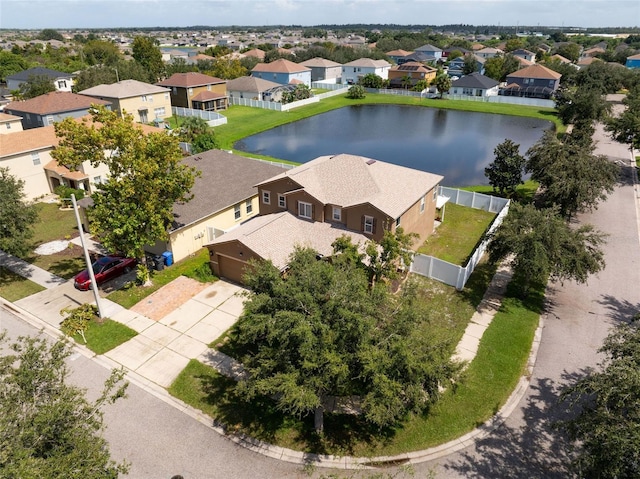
(456, 66)
(10, 123)
(409, 74)
(323, 70)
(417, 57)
(255, 53)
(145, 102)
(431, 51)
(197, 91)
(488, 52)
(633, 61)
(394, 55)
(319, 201)
(353, 71)
(446, 52)
(475, 84)
(61, 81)
(535, 81)
(224, 197)
(524, 54)
(283, 71)
(47, 109)
(251, 88)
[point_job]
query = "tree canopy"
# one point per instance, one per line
(16, 215)
(146, 52)
(47, 427)
(626, 127)
(442, 83)
(604, 410)
(542, 245)
(35, 85)
(505, 172)
(322, 331)
(571, 176)
(134, 207)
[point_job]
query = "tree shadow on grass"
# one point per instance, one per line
(537, 449)
(261, 419)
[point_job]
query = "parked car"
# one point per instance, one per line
(104, 269)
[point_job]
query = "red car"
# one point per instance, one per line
(104, 269)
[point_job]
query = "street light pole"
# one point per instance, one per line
(87, 258)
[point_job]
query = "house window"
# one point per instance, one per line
(305, 210)
(337, 213)
(467, 91)
(35, 157)
(151, 99)
(236, 212)
(175, 91)
(422, 202)
(144, 98)
(435, 193)
(159, 112)
(266, 197)
(398, 222)
(97, 180)
(282, 201)
(368, 224)
(166, 95)
(248, 207)
(62, 84)
(8, 126)
(49, 119)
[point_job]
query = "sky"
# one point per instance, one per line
(61, 14)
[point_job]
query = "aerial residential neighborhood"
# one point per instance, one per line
(319, 249)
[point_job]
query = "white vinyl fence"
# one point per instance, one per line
(452, 274)
(273, 105)
(213, 118)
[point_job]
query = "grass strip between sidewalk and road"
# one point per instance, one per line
(486, 385)
(103, 336)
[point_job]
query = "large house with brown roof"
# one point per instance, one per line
(534, 81)
(353, 71)
(197, 91)
(410, 73)
(147, 103)
(323, 70)
(283, 72)
(252, 88)
(50, 108)
(319, 201)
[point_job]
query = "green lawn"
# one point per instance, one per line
(487, 383)
(14, 287)
(245, 121)
(524, 193)
(196, 267)
(103, 336)
(458, 235)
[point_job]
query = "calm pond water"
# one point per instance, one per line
(455, 144)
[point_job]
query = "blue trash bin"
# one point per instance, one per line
(168, 258)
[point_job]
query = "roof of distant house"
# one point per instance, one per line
(225, 180)
(251, 84)
(38, 71)
(256, 52)
(475, 80)
(124, 89)
(634, 57)
(398, 53)
(55, 102)
(5, 118)
(412, 67)
(368, 63)
(208, 95)
(535, 71)
(320, 62)
(428, 48)
(280, 66)
(190, 79)
(349, 180)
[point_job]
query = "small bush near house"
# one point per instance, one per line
(65, 192)
(356, 92)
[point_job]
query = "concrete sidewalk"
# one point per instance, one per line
(29, 271)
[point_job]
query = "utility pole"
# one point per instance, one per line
(87, 258)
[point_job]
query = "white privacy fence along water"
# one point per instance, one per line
(453, 274)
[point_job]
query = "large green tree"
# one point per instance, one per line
(625, 128)
(108, 74)
(10, 64)
(321, 331)
(541, 244)
(101, 52)
(35, 85)
(16, 215)
(146, 52)
(604, 410)
(505, 172)
(571, 175)
(581, 105)
(134, 207)
(47, 427)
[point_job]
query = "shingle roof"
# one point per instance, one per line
(428, 48)
(208, 95)
(256, 52)
(634, 57)
(5, 117)
(320, 62)
(259, 235)
(124, 89)
(475, 80)
(412, 67)
(348, 180)
(368, 63)
(225, 180)
(251, 84)
(38, 71)
(535, 71)
(280, 66)
(397, 53)
(55, 102)
(190, 79)
(27, 140)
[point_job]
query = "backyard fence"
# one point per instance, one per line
(272, 105)
(213, 118)
(453, 274)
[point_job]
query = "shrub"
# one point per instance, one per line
(65, 192)
(356, 92)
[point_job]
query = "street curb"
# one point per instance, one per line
(297, 457)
